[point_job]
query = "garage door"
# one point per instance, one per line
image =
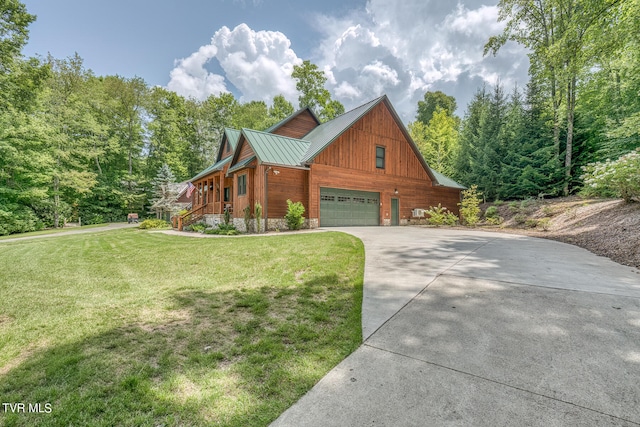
(348, 207)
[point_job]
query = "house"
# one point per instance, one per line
(361, 168)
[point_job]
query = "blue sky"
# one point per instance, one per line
(248, 47)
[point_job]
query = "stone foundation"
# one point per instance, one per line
(281, 224)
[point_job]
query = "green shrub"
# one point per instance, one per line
(545, 224)
(294, 216)
(154, 223)
(514, 206)
(257, 213)
(548, 211)
(618, 178)
(520, 219)
(470, 206)
(495, 220)
(247, 219)
(491, 216)
(491, 212)
(15, 218)
(223, 230)
(439, 215)
(498, 203)
(199, 227)
(531, 223)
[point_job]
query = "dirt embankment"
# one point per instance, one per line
(610, 228)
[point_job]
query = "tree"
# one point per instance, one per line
(164, 192)
(564, 36)
(437, 141)
(433, 101)
(280, 109)
(14, 33)
(310, 83)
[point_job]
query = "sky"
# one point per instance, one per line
(366, 48)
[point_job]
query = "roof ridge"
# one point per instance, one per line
(273, 135)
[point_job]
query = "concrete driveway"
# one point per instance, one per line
(485, 329)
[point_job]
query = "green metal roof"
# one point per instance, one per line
(446, 181)
(276, 149)
(213, 168)
(242, 164)
(233, 136)
(323, 135)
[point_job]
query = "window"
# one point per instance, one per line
(380, 157)
(327, 198)
(242, 185)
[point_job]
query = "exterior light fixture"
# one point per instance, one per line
(395, 191)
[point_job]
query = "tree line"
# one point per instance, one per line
(76, 146)
(580, 106)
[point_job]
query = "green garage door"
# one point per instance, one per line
(348, 207)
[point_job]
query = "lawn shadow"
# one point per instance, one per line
(234, 357)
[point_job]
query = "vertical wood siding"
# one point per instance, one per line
(288, 184)
(298, 126)
(350, 163)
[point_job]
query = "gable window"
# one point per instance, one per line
(242, 185)
(380, 157)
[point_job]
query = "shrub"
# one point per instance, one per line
(294, 216)
(520, 219)
(492, 217)
(498, 203)
(618, 178)
(491, 212)
(154, 223)
(257, 213)
(247, 219)
(514, 206)
(199, 227)
(470, 206)
(495, 220)
(531, 223)
(548, 211)
(439, 215)
(227, 216)
(224, 230)
(16, 218)
(545, 224)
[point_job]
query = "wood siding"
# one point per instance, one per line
(288, 184)
(356, 148)
(412, 193)
(350, 163)
(298, 126)
(245, 150)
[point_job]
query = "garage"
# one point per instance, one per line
(348, 207)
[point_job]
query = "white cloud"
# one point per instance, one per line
(402, 49)
(190, 78)
(258, 63)
(406, 48)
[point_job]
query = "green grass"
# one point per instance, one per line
(136, 328)
(50, 231)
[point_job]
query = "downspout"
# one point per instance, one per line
(266, 198)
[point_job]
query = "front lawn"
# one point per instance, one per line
(136, 328)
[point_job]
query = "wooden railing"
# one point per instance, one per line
(191, 217)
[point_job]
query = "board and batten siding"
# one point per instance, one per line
(350, 163)
(245, 151)
(291, 184)
(298, 126)
(356, 148)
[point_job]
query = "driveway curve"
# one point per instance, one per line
(484, 329)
